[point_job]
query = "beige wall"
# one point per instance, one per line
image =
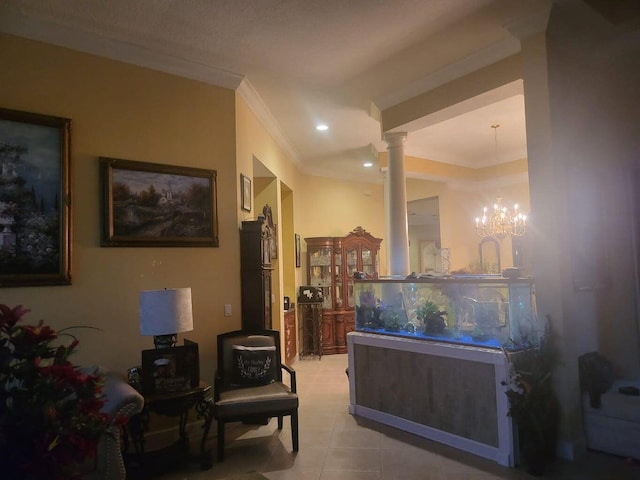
(128, 112)
(326, 207)
(458, 210)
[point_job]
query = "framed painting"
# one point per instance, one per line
(298, 252)
(154, 205)
(245, 189)
(171, 369)
(35, 199)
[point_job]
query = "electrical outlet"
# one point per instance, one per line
(227, 309)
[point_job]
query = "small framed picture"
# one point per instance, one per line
(298, 252)
(245, 189)
(172, 369)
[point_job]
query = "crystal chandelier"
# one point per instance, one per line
(500, 222)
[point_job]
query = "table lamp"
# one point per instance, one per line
(164, 314)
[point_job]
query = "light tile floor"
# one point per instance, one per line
(335, 445)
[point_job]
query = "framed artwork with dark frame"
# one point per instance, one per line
(35, 199)
(298, 252)
(155, 205)
(172, 369)
(245, 189)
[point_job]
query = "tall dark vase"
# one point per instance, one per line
(537, 459)
(538, 444)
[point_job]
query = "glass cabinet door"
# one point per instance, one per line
(338, 278)
(352, 267)
(368, 262)
(320, 271)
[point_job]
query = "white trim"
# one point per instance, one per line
(502, 454)
(248, 93)
(22, 26)
(482, 58)
(461, 443)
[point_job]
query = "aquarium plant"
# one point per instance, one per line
(432, 318)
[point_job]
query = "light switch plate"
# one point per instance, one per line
(227, 309)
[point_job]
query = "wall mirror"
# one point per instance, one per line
(490, 255)
(423, 217)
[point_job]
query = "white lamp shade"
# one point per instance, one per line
(165, 312)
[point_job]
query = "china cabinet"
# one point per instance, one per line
(255, 274)
(331, 265)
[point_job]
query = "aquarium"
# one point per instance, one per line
(483, 310)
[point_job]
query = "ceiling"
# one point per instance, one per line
(301, 62)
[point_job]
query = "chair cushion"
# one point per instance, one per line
(253, 365)
(617, 405)
(269, 398)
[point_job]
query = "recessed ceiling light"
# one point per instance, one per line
(367, 164)
(321, 127)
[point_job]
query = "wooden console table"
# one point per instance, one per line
(145, 464)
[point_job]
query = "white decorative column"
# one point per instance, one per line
(396, 206)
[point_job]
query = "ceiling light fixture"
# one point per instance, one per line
(500, 222)
(322, 127)
(367, 164)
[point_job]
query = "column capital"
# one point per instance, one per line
(395, 139)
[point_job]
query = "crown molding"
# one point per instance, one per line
(20, 25)
(13, 23)
(482, 58)
(249, 94)
(530, 20)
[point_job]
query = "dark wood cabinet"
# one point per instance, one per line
(331, 265)
(255, 266)
(290, 344)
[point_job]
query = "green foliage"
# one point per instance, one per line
(533, 404)
(432, 317)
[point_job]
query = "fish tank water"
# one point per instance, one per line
(487, 311)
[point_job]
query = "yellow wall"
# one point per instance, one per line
(458, 210)
(326, 207)
(133, 113)
(127, 112)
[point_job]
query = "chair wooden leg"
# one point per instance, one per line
(280, 422)
(294, 430)
(220, 440)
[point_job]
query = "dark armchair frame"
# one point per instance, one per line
(252, 404)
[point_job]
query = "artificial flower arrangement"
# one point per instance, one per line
(50, 420)
(533, 404)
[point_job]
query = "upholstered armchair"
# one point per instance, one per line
(121, 401)
(248, 384)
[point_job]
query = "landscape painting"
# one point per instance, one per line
(35, 199)
(149, 204)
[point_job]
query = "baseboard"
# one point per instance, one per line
(571, 449)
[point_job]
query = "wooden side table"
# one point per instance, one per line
(144, 464)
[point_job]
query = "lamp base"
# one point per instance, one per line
(165, 341)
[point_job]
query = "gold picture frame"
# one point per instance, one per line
(35, 199)
(157, 205)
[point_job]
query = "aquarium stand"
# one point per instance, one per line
(449, 393)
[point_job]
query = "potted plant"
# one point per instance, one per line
(432, 318)
(50, 420)
(533, 404)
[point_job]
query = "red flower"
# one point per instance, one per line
(39, 333)
(50, 409)
(10, 316)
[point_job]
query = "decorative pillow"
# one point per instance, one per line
(253, 365)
